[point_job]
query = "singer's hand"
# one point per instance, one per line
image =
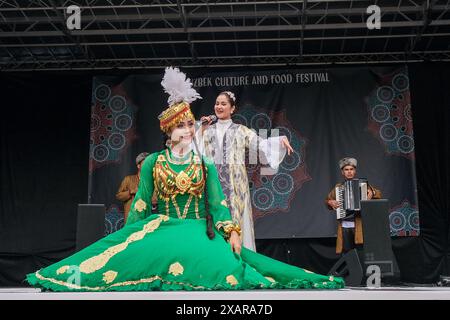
(206, 121)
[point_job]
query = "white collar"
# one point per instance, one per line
(224, 122)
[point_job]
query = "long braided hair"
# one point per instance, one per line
(209, 220)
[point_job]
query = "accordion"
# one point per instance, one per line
(349, 196)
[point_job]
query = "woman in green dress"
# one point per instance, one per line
(191, 244)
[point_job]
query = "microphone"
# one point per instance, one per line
(213, 118)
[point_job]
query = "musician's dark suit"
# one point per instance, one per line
(358, 232)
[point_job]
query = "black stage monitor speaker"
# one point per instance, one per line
(376, 257)
(377, 238)
(90, 224)
(349, 268)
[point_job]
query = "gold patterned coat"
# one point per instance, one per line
(126, 193)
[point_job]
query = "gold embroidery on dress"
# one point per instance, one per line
(196, 208)
(136, 282)
(167, 208)
(177, 208)
(176, 269)
(120, 284)
(186, 207)
(99, 261)
(183, 182)
(140, 205)
(270, 279)
(62, 270)
(149, 280)
(67, 284)
(109, 276)
(221, 224)
(170, 183)
(232, 280)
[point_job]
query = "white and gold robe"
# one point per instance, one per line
(226, 143)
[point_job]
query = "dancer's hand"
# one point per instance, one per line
(235, 242)
(287, 145)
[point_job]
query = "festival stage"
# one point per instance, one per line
(382, 293)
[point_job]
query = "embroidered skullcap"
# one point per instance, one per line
(181, 94)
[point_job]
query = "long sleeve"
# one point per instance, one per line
(331, 196)
(216, 199)
(142, 203)
(270, 150)
(123, 194)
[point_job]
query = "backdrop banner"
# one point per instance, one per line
(327, 114)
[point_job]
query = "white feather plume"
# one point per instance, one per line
(178, 87)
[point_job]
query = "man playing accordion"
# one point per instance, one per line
(349, 231)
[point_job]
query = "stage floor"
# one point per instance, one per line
(382, 293)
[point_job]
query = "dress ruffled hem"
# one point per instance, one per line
(159, 284)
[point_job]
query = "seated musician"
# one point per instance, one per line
(349, 232)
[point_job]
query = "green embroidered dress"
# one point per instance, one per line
(171, 250)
